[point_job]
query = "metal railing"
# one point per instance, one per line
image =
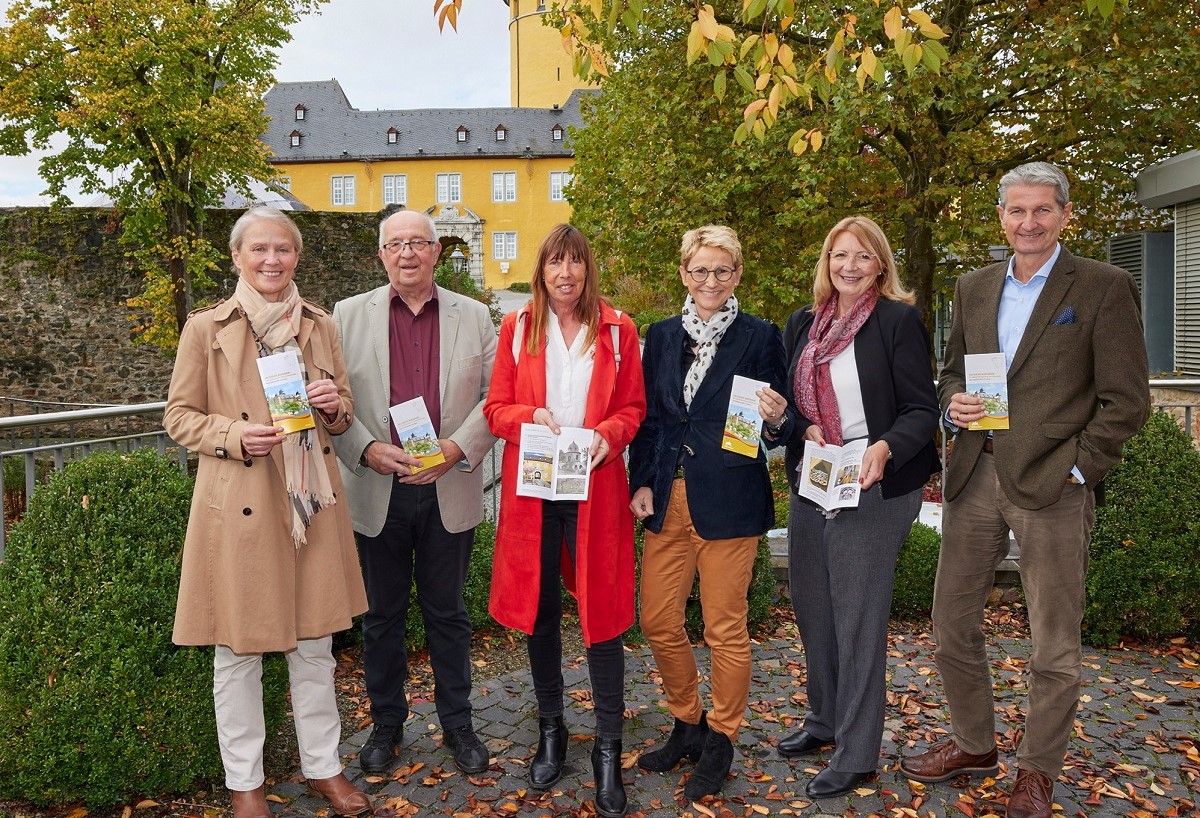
(53, 455)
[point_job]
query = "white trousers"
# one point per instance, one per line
(241, 730)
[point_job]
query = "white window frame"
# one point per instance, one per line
(449, 188)
(393, 136)
(557, 133)
(342, 190)
(294, 139)
(501, 133)
(395, 188)
(559, 179)
(504, 245)
(301, 111)
(504, 186)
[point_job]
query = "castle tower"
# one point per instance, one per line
(541, 75)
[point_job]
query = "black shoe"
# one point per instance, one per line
(801, 744)
(830, 783)
(547, 764)
(469, 753)
(380, 749)
(606, 769)
(686, 741)
(711, 769)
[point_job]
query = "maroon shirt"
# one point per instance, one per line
(413, 346)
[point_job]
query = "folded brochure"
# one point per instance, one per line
(555, 467)
(828, 475)
(415, 430)
(287, 397)
(743, 423)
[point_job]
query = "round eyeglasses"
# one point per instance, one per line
(700, 274)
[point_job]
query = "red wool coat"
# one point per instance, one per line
(602, 582)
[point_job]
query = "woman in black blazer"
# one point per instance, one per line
(705, 508)
(859, 370)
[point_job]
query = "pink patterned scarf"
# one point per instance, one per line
(827, 337)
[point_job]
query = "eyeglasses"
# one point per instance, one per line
(416, 245)
(842, 257)
(700, 274)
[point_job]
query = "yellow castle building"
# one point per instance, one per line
(493, 179)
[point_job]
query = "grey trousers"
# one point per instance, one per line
(841, 572)
(1054, 560)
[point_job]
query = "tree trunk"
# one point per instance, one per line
(177, 244)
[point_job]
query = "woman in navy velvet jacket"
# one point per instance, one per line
(859, 369)
(704, 508)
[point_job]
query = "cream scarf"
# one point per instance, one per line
(275, 325)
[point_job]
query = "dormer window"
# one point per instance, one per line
(462, 133)
(556, 133)
(295, 139)
(300, 112)
(501, 133)
(393, 136)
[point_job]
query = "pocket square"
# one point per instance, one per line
(1067, 316)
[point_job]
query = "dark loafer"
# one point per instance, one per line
(801, 744)
(830, 783)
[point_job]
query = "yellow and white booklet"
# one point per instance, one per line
(987, 378)
(415, 430)
(287, 397)
(743, 423)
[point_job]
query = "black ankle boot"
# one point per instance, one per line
(686, 741)
(606, 769)
(714, 764)
(547, 764)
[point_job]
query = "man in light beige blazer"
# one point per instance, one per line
(1071, 333)
(406, 339)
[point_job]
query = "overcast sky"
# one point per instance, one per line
(385, 53)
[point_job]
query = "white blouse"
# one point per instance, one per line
(843, 371)
(568, 374)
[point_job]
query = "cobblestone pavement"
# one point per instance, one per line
(1134, 752)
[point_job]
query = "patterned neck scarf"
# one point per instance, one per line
(275, 325)
(706, 335)
(827, 337)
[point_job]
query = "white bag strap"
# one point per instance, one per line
(519, 336)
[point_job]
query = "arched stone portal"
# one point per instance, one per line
(458, 222)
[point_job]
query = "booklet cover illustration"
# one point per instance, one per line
(743, 423)
(287, 397)
(987, 378)
(828, 475)
(415, 430)
(555, 467)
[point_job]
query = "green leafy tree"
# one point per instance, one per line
(161, 104)
(952, 96)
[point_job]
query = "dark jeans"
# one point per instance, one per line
(414, 545)
(606, 660)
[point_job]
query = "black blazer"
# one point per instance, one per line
(729, 495)
(891, 352)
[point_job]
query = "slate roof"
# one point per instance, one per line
(333, 130)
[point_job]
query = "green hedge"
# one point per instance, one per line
(1144, 577)
(96, 704)
(912, 597)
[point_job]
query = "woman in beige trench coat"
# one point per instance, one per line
(269, 563)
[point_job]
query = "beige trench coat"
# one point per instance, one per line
(244, 584)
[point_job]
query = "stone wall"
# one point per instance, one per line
(65, 333)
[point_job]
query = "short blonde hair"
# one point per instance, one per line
(262, 213)
(872, 237)
(711, 235)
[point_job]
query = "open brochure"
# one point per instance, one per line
(987, 378)
(415, 430)
(828, 475)
(555, 467)
(287, 397)
(743, 423)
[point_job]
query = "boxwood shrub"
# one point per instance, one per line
(916, 569)
(96, 703)
(1145, 548)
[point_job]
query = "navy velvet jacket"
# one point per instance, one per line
(891, 352)
(729, 495)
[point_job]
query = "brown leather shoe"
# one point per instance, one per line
(250, 803)
(344, 797)
(1032, 796)
(945, 761)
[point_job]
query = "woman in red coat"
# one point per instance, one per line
(569, 359)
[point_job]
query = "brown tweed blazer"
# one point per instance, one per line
(1077, 386)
